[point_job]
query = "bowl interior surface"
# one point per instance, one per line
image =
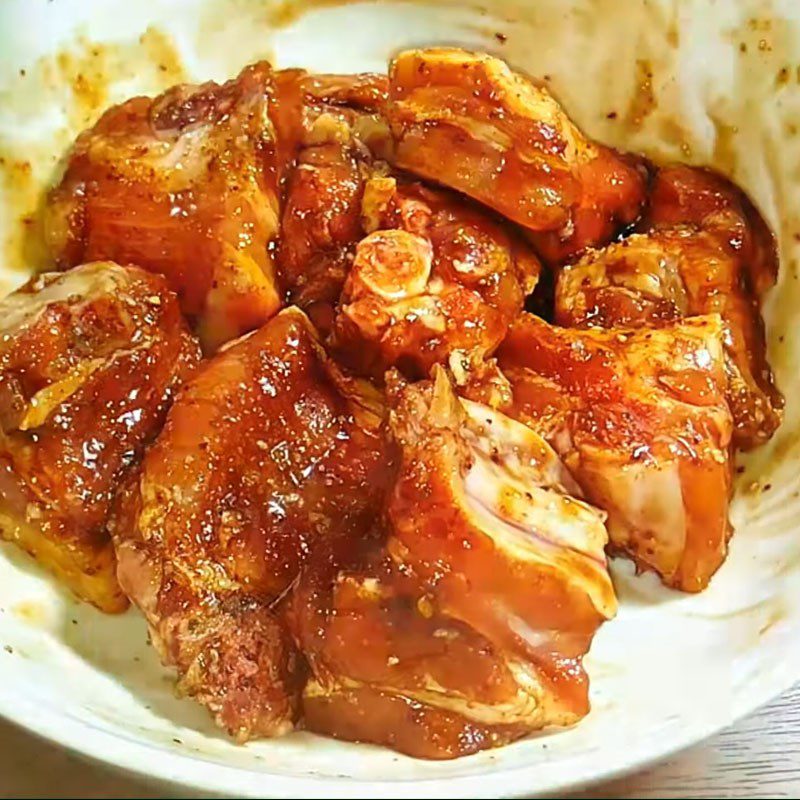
(708, 83)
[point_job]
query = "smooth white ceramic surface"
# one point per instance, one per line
(710, 82)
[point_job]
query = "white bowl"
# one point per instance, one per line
(710, 83)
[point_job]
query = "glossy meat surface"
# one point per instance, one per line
(341, 136)
(467, 121)
(434, 275)
(388, 669)
(384, 513)
(269, 457)
(704, 199)
(186, 185)
(650, 279)
(465, 630)
(640, 419)
(89, 362)
(484, 514)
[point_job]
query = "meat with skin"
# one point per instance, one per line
(706, 253)
(269, 457)
(482, 512)
(187, 185)
(466, 629)
(467, 121)
(89, 362)
(640, 419)
(434, 275)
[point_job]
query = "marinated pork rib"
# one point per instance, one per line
(701, 198)
(467, 121)
(185, 185)
(709, 252)
(89, 361)
(434, 275)
(421, 565)
(485, 515)
(269, 456)
(640, 419)
(342, 133)
(467, 630)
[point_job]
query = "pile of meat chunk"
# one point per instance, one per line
(283, 393)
